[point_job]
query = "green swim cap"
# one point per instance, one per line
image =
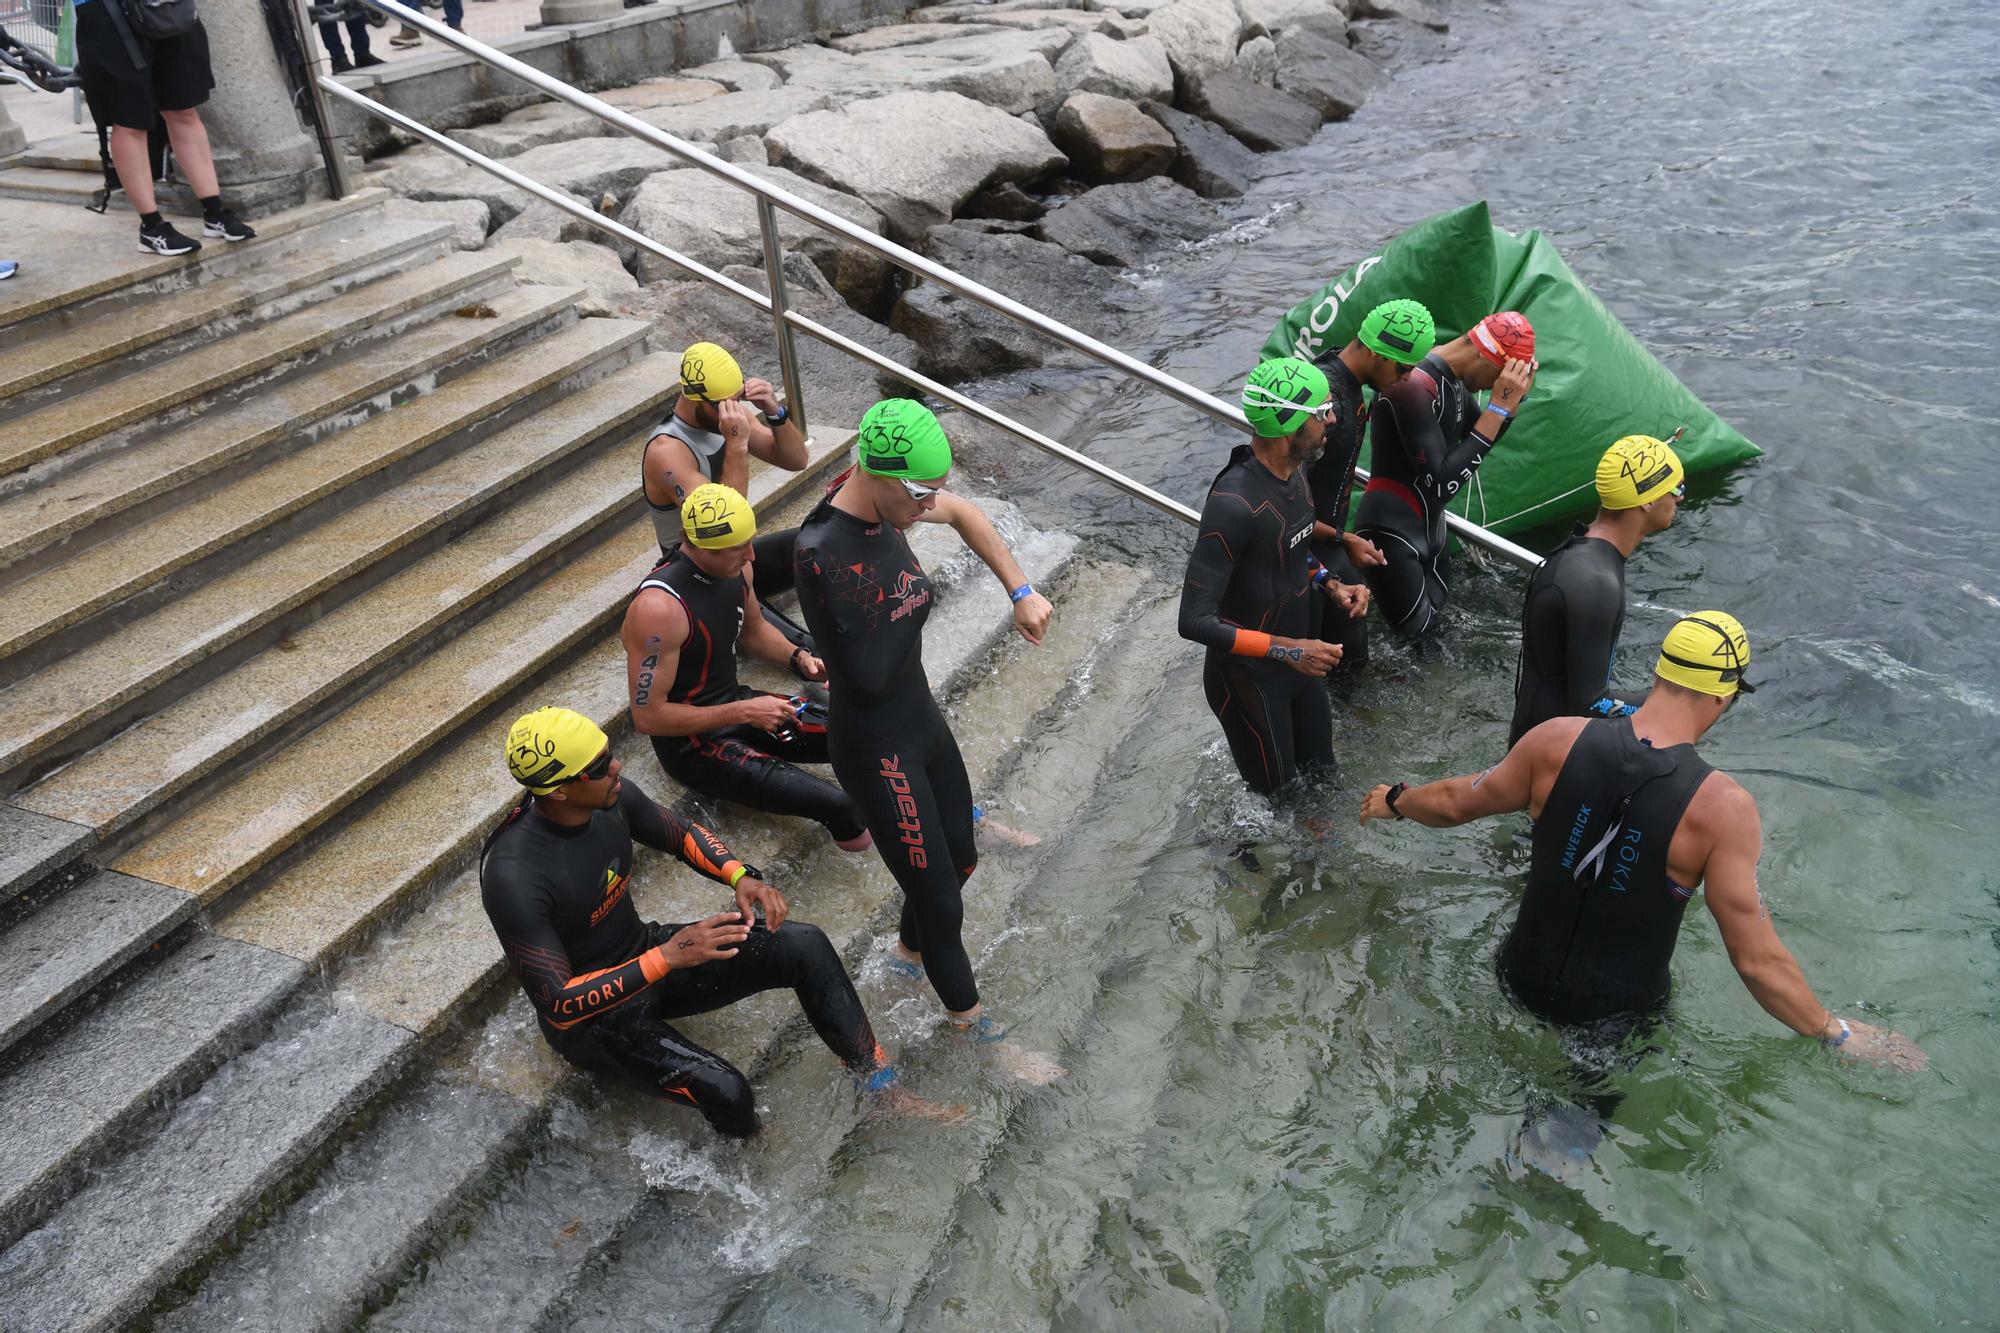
(1401, 330)
(1281, 394)
(900, 437)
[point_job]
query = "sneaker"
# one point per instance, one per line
(164, 240)
(8, 268)
(228, 226)
(407, 37)
(368, 61)
(339, 65)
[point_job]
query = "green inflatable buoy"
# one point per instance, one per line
(1596, 383)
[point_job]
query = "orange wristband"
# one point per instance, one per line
(1251, 643)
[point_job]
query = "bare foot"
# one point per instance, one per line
(1008, 834)
(902, 1102)
(1026, 1065)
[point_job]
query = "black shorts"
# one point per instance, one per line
(177, 74)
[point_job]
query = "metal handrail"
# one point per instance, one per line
(785, 320)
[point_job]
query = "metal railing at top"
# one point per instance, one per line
(784, 319)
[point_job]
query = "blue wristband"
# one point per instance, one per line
(1500, 411)
(1025, 590)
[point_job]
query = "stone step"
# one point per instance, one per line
(100, 1260)
(47, 239)
(890, 1199)
(124, 336)
(53, 1159)
(33, 847)
(849, 897)
(71, 422)
(236, 521)
(136, 482)
(77, 940)
(171, 651)
(71, 1103)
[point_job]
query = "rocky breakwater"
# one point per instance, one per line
(1045, 150)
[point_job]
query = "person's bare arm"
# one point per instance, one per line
(1768, 969)
(1508, 785)
(781, 445)
(670, 471)
(969, 521)
(655, 630)
(737, 425)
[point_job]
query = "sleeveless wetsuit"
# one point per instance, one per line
(1423, 451)
(771, 571)
(602, 980)
(1331, 477)
(1251, 570)
(744, 764)
(865, 599)
(1569, 628)
(1599, 918)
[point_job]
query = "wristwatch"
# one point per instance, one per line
(781, 416)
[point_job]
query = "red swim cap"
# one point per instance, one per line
(1507, 336)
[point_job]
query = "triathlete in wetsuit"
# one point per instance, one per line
(713, 734)
(1251, 577)
(1575, 603)
(865, 598)
(712, 434)
(1629, 824)
(1428, 435)
(604, 983)
(1393, 337)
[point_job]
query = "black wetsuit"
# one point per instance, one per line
(1250, 573)
(865, 599)
(603, 981)
(1331, 477)
(744, 764)
(1600, 916)
(1570, 620)
(1424, 450)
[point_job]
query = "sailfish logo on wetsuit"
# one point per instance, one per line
(907, 594)
(908, 826)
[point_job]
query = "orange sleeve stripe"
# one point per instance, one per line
(653, 964)
(1251, 643)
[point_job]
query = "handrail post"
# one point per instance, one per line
(774, 275)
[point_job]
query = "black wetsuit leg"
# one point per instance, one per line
(749, 766)
(770, 575)
(1276, 720)
(909, 780)
(638, 1044)
(1411, 588)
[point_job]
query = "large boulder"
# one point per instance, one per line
(735, 114)
(959, 339)
(710, 220)
(895, 36)
(1108, 139)
(590, 168)
(1076, 20)
(1006, 69)
(738, 76)
(1411, 11)
(837, 387)
(1136, 70)
(559, 122)
(1199, 35)
(1211, 161)
(1131, 225)
(572, 264)
(1257, 61)
(1264, 118)
(1278, 17)
(1329, 74)
(915, 156)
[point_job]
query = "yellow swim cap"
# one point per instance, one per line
(715, 518)
(1707, 651)
(710, 374)
(1637, 470)
(549, 746)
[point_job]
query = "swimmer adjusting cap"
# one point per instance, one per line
(900, 437)
(1507, 336)
(1707, 651)
(549, 746)
(1401, 330)
(715, 518)
(1637, 470)
(710, 374)
(1281, 394)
